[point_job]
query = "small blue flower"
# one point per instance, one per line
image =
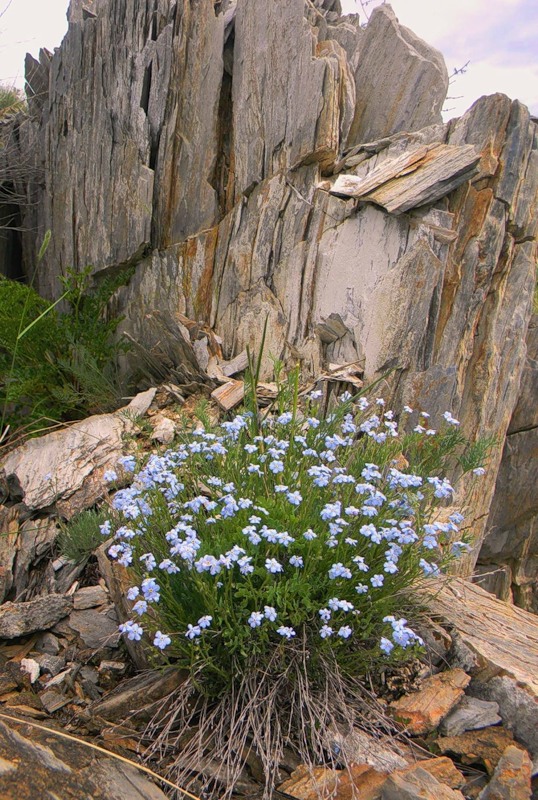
(339, 571)
(325, 614)
(285, 631)
(193, 631)
(270, 613)
(345, 632)
(294, 498)
(273, 566)
(386, 645)
(161, 640)
(325, 631)
(255, 619)
(110, 475)
(377, 580)
(296, 561)
(276, 467)
(205, 621)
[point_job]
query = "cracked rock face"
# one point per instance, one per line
(191, 139)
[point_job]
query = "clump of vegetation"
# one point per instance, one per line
(276, 560)
(57, 366)
(12, 100)
(81, 536)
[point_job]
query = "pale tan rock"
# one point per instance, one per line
(485, 746)
(421, 711)
(512, 777)
(417, 785)
(20, 619)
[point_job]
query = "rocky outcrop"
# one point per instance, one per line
(508, 561)
(191, 139)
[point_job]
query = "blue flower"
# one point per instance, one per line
(377, 580)
(161, 641)
(132, 630)
(270, 613)
(386, 645)
(273, 566)
(193, 631)
(285, 631)
(294, 498)
(110, 475)
(325, 614)
(339, 571)
(255, 619)
(296, 561)
(345, 632)
(325, 631)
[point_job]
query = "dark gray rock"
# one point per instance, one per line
(469, 715)
(20, 619)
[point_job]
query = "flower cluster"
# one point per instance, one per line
(309, 528)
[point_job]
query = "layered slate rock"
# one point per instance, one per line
(508, 560)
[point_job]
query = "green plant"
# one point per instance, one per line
(276, 560)
(12, 100)
(58, 366)
(81, 536)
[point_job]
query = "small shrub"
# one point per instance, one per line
(276, 563)
(81, 536)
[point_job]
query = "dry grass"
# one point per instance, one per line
(267, 712)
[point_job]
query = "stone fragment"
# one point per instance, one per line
(52, 700)
(484, 746)
(401, 82)
(442, 769)
(417, 179)
(48, 643)
(31, 667)
(229, 395)
(97, 629)
(422, 711)
(311, 784)
(138, 694)
(89, 597)
(512, 777)
(359, 747)
(417, 785)
(50, 664)
(20, 619)
(164, 429)
(470, 714)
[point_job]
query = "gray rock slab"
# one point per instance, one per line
(89, 597)
(469, 715)
(20, 619)
(97, 629)
(401, 82)
(418, 785)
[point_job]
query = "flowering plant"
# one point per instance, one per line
(254, 542)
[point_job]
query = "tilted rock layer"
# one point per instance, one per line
(201, 141)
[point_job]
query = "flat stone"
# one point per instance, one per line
(90, 597)
(97, 629)
(442, 769)
(470, 714)
(20, 619)
(422, 711)
(417, 785)
(51, 664)
(512, 777)
(484, 746)
(52, 700)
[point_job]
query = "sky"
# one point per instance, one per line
(498, 37)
